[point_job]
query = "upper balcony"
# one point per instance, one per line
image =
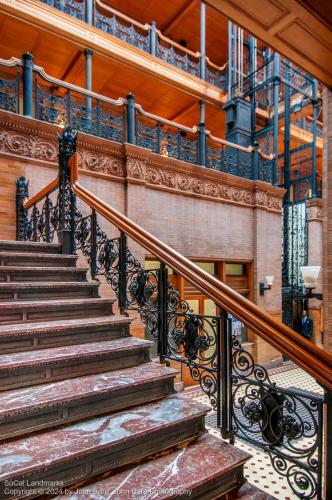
(148, 38)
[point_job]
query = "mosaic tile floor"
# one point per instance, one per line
(259, 470)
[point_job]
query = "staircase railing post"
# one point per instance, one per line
(162, 306)
(66, 232)
(122, 273)
(47, 219)
(328, 445)
(153, 38)
(22, 192)
(27, 84)
(131, 119)
(93, 243)
(226, 367)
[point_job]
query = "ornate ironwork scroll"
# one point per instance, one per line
(285, 422)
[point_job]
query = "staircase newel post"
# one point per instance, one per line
(162, 307)
(66, 231)
(21, 213)
(122, 273)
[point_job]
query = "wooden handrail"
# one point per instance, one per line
(248, 149)
(305, 354)
(29, 202)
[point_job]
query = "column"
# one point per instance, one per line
(27, 84)
(315, 258)
(88, 81)
(202, 141)
(203, 40)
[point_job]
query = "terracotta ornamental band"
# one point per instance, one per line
(34, 140)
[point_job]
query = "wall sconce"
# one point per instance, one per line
(310, 276)
(269, 282)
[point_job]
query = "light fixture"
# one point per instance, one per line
(269, 282)
(310, 276)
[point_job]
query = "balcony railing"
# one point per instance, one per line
(26, 87)
(146, 37)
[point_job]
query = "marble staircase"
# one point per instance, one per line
(84, 413)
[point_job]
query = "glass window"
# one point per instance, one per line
(235, 269)
(209, 267)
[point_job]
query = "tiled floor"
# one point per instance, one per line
(259, 470)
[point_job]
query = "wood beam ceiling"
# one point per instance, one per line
(288, 27)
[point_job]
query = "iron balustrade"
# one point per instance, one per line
(55, 101)
(287, 423)
(146, 37)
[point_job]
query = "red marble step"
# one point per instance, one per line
(75, 452)
(248, 492)
(44, 290)
(17, 273)
(28, 246)
(39, 310)
(28, 336)
(23, 411)
(37, 259)
(205, 469)
(47, 365)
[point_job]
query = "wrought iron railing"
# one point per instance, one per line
(143, 36)
(288, 423)
(27, 87)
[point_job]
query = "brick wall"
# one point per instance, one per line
(200, 212)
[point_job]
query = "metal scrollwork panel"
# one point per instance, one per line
(193, 339)
(284, 422)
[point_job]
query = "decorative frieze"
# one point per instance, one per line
(32, 139)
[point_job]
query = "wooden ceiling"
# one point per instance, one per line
(179, 20)
(64, 60)
(298, 29)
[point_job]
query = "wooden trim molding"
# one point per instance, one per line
(22, 137)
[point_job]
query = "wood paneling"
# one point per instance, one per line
(289, 27)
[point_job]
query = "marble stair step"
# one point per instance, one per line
(23, 411)
(206, 469)
(19, 337)
(47, 290)
(28, 246)
(19, 273)
(37, 259)
(39, 310)
(47, 365)
(78, 451)
(248, 491)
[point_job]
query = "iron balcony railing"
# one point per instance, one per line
(288, 423)
(146, 37)
(26, 89)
